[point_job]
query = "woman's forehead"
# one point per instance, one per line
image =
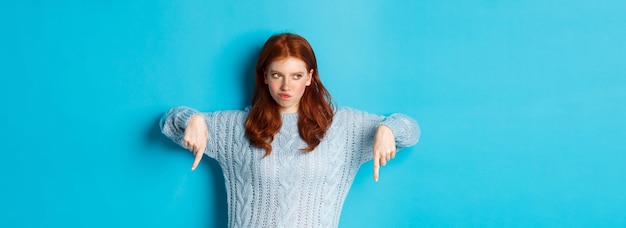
(288, 63)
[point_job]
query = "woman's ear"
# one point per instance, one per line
(265, 77)
(308, 81)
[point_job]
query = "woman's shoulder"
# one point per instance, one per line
(345, 109)
(345, 112)
(231, 114)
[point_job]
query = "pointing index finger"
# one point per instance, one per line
(376, 167)
(196, 161)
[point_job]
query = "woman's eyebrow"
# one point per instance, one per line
(275, 71)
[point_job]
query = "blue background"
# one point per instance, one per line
(521, 105)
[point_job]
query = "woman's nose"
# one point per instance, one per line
(285, 85)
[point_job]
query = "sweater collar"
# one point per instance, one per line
(289, 117)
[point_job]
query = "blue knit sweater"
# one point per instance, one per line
(290, 188)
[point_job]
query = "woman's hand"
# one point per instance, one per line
(384, 148)
(196, 135)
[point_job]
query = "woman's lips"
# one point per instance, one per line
(284, 95)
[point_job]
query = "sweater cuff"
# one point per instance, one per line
(405, 130)
(175, 120)
(183, 116)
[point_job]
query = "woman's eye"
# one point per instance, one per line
(275, 75)
(297, 76)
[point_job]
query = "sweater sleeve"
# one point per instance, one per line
(174, 122)
(405, 129)
(226, 132)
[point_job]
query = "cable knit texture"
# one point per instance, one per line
(290, 188)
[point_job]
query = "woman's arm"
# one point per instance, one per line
(393, 133)
(375, 136)
(405, 129)
(188, 128)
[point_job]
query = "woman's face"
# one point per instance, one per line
(287, 79)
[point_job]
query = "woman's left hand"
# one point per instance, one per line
(384, 148)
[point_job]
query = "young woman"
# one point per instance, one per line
(290, 158)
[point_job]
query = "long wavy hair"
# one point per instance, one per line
(315, 111)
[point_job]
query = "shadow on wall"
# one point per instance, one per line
(239, 56)
(247, 76)
(219, 218)
(155, 136)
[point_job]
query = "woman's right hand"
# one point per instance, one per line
(196, 135)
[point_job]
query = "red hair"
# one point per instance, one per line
(315, 111)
